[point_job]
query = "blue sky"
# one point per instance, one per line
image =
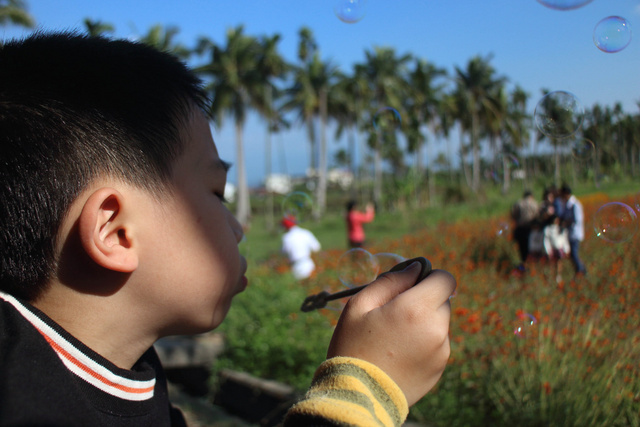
(534, 46)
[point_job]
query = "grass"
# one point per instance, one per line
(577, 364)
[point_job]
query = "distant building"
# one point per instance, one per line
(278, 183)
(340, 177)
(230, 191)
(519, 174)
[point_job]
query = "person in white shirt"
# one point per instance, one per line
(573, 220)
(298, 244)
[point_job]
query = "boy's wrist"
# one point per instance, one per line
(346, 371)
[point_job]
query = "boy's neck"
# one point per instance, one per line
(102, 323)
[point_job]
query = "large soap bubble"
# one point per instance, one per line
(615, 222)
(297, 205)
(559, 114)
(357, 267)
(350, 11)
(612, 34)
(564, 4)
(387, 119)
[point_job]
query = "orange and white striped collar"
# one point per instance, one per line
(81, 364)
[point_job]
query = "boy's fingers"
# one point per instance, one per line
(386, 287)
(434, 291)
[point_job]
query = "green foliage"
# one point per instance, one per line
(267, 335)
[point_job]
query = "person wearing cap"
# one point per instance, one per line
(298, 244)
(573, 220)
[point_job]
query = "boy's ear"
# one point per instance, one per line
(105, 232)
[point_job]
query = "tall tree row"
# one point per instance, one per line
(492, 116)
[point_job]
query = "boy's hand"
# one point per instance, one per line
(401, 328)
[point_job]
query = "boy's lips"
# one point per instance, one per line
(243, 279)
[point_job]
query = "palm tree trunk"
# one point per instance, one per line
(556, 155)
(432, 177)
(311, 131)
(321, 194)
(243, 207)
(463, 163)
(450, 157)
(270, 214)
(377, 168)
(475, 185)
(352, 161)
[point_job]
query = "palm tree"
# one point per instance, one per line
(552, 110)
(14, 12)
(97, 27)
(385, 73)
(630, 132)
(301, 95)
(422, 108)
(236, 85)
(164, 39)
(346, 105)
(477, 93)
(271, 65)
(309, 94)
(515, 132)
(445, 122)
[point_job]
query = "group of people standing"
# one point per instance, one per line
(552, 229)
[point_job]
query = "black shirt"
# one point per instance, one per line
(49, 378)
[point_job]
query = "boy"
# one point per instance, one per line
(114, 233)
(573, 221)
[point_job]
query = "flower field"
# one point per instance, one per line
(526, 349)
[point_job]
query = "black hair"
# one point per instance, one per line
(74, 108)
(350, 205)
(565, 189)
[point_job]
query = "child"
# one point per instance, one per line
(298, 244)
(114, 233)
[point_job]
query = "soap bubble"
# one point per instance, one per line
(505, 163)
(386, 261)
(524, 325)
(357, 267)
(387, 119)
(297, 204)
(612, 34)
(583, 150)
(559, 114)
(503, 229)
(491, 174)
(350, 11)
(564, 4)
(636, 202)
(615, 222)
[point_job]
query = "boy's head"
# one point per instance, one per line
(74, 109)
(288, 222)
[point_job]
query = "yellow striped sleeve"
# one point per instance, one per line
(350, 392)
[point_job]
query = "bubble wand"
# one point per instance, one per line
(314, 302)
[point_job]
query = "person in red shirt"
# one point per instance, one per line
(355, 219)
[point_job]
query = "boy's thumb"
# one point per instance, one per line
(397, 280)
